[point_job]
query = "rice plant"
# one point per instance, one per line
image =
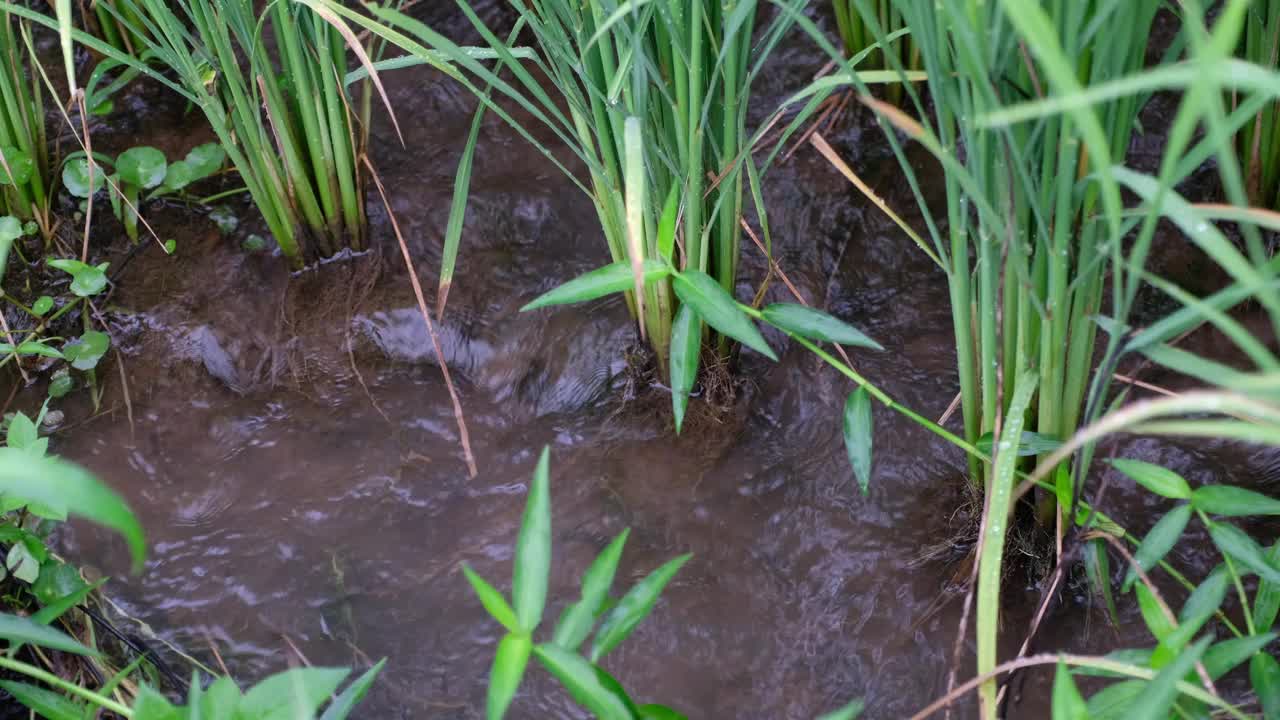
(856, 37)
(288, 126)
(650, 98)
(1259, 141)
(118, 26)
(24, 153)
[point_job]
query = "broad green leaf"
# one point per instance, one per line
(291, 694)
(22, 432)
(19, 163)
(56, 606)
(576, 623)
(151, 705)
(205, 160)
(179, 175)
(686, 345)
(17, 629)
(221, 701)
(142, 167)
(75, 177)
(1233, 501)
(659, 712)
(848, 712)
(346, 701)
(858, 435)
(580, 679)
(720, 310)
(633, 608)
(10, 229)
(1157, 698)
(610, 279)
(492, 600)
(1264, 673)
(60, 484)
(1114, 701)
(533, 550)
(85, 353)
(1159, 541)
(1230, 653)
(48, 704)
(816, 325)
(1234, 542)
(21, 563)
(667, 224)
(1157, 622)
(1068, 703)
(42, 305)
(508, 669)
(1159, 480)
(60, 385)
(1032, 443)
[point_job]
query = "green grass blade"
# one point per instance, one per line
(533, 549)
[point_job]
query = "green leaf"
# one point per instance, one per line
(21, 563)
(37, 347)
(88, 350)
(75, 177)
(1266, 602)
(610, 279)
(347, 700)
(18, 629)
(1233, 501)
(1157, 698)
(142, 167)
(686, 345)
(57, 483)
(580, 679)
(18, 162)
(1233, 541)
(254, 243)
(60, 385)
(533, 550)
(858, 431)
(634, 607)
(1199, 607)
(1114, 701)
(720, 310)
(48, 704)
(22, 432)
(1158, 542)
(1068, 703)
(507, 671)
(151, 705)
(1228, 654)
(291, 694)
(170, 246)
(221, 701)
(1157, 622)
(10, 229)
(1032, 443)
(1098, 570)
(816, 325)
(576, 623)
(659, 712)
(848, 712)
(42, 305)
(492, 600)
(179, 175)
(204, 160)
(59, 589)
(86, 280)
(667, 224)
(1264, 673)
(1159, 480)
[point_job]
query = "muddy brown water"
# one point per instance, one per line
(290, 447)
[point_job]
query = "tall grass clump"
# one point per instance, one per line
(1259, 140)
(119, 26)
(24, 154)
(856, 36)
(285, 118)
(650, 98)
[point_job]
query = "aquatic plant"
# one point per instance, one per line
(24, 152)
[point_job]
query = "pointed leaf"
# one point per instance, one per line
(1114, 701)
(533, 550)
(346, 701)
(507, 671)
(48, 704)
(1264, 674)
(1157, 622)
(576, 624)
(1233, 541)
(1032, 443)
(492, 600)
(658, 712)
(816, 325)
(1159, 480)
(667, 224)
(858, 431)
(1068, 703)
(1157, 698)
(1233, 501)
(1159, 541)
(142, 167)
(1229, 654)
(17, 629)
(580, 679)
(610, 279)
(633, 608)
(1266, 602)
(848, 712)
(686, 344)
(720, 310)
(292, 694)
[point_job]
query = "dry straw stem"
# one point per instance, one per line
(463, 436)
